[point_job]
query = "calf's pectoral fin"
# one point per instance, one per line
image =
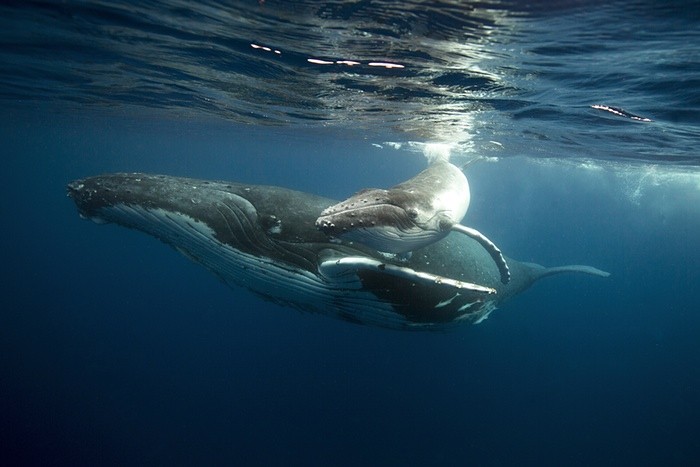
(491, 247)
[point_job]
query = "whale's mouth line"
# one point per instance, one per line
(359, 208)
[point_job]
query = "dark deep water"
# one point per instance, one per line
(115, 350)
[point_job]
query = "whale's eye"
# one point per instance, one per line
(412, 213)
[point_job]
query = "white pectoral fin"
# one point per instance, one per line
(490, 247)
(344, 268)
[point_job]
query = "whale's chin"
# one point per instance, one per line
(391, 239)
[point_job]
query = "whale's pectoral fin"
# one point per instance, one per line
(491, 247)
(344, 270)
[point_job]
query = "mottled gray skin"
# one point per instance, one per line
(406, 217)
(278, 225)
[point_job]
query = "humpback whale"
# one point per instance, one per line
(264, 238)
(410, 215)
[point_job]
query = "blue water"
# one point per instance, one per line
(116, 350)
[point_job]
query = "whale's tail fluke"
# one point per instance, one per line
(577, 268)
(541, 271)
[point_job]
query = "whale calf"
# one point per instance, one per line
(264, 238)
(410, 215)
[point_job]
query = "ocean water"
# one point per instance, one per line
(115, 350)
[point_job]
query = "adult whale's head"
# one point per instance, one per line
(403, 218)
